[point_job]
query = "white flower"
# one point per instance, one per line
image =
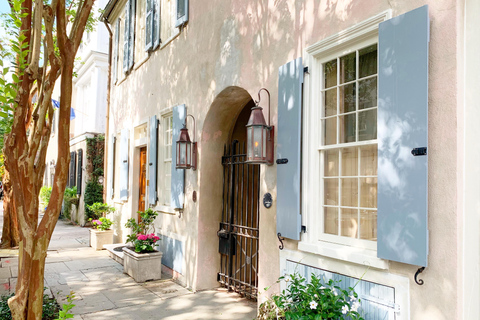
(287, 278)
(313, 305)
(355, 306)
(345, 309)
(335, 293)
(322, 287)
(315, 295)
(352, 298)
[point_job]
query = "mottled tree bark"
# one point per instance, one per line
(26, 144)
(10, 232)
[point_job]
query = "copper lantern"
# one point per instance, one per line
(186, 150)
(259, 136)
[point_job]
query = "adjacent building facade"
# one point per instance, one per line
(375, 174)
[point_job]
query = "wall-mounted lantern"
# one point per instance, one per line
(260, 135)
(186, 149)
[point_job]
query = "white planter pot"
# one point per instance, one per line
(98, 238)
(142, 266)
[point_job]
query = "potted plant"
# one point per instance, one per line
(319, 299)
(101, 234)
(142, 262)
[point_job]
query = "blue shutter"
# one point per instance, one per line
(131, 38)
(290, 79)
(182, 12)
(403, 126)
(71, 181)
(177, 182)
(152, 161)
(79, 170)
(156, 23)
(149, 8)
(123, 176)
(126, 36)
(110, 166)
(115, 50)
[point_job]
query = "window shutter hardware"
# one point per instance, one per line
(279, 235)
(282, 161)
(304, 229)
(305, 70)
(419, 281)
(419, 151)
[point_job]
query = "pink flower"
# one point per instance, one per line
(150, 236)
(141, 237)
(97, 222)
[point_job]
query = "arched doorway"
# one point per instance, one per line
(224, 122)
(239, 227)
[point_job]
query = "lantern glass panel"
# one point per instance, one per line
(258, 145)
(249, 145)
(183, 153)
(188, 160)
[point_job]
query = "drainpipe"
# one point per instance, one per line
(107, 136)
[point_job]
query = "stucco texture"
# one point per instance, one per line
(219, 61)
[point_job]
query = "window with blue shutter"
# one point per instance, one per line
(126, 36)
(156, 24)
(152, 161)
(79, 170)
(123, 165)
(115, 51)
(290, 80)
(111, 166)
(131, 39)
(71, 181)
(149, 12)
(402, 128)
(182, 13)
(178, 175)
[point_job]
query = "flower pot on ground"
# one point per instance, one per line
(101, 233)
(142, 266)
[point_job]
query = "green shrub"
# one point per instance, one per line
(319, 299)
(102, 223)
(69, 198)
(143, 226)
(93, 194)
(50, 308)
(45, 193)
(100, 210)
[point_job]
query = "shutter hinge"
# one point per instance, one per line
(305, 70)
(304, 229)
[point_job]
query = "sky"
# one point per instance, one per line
(4, 8)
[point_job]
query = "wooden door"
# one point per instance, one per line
(142, 179)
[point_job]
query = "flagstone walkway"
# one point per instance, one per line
(103, 291)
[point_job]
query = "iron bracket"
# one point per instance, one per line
(419, 281)
(279, 235)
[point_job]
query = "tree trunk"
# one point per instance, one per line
(10, 232)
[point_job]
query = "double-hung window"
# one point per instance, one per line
(348, 145)
(166, 160)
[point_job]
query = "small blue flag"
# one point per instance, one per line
(72, 114)
(56, 104)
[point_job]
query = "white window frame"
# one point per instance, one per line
(361, 35)
(161, 191)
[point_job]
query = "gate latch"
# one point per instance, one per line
(222, 234)
(419, 151)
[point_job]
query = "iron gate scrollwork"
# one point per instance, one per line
(238, 233)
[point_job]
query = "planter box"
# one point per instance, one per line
(98, 238)
(142, 266)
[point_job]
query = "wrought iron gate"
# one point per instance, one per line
(238, 234)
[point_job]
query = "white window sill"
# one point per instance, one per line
(165, 209)
(118, 201)
(345, 253)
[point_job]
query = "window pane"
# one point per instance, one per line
(367, 125)
(368, 61)
(331, 163)
(367, 93)
(368, 225)
(347, 67)
(368, 192)
(349, 192)
(331, 191)
(330, 220)
(347, 98)
(347, 128)
(330, 97)
(350, 161)
(330, 129)
(330, 73)
(368, 161)
(349, 226)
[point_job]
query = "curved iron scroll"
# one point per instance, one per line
(281, 241)
(419, 281)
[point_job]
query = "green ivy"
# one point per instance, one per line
(93, 194)
(93, 189)
(69, 198)
(50, 308)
